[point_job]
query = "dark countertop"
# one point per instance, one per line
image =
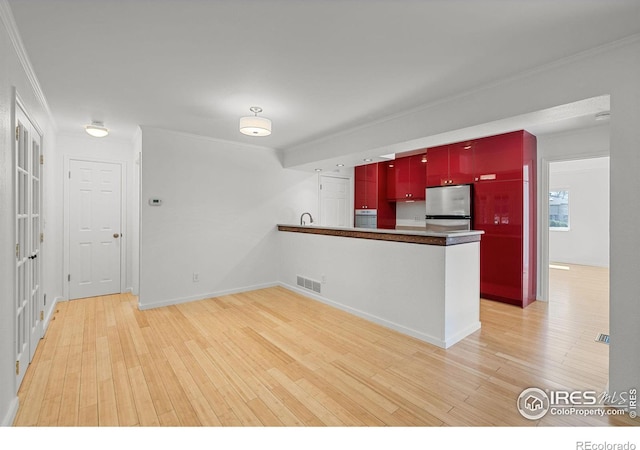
(407, 236)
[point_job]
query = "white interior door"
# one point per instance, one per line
(95, 225)
(28, 199)
(334, 201)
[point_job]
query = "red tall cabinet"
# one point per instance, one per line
(371, 193)
(505, 209)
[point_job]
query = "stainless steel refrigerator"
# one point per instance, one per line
(448, 208)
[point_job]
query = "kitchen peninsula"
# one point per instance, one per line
(423, 284)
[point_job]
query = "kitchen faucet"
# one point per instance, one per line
(310, 218)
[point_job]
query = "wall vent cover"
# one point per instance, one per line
(604, 338)
(308, 283)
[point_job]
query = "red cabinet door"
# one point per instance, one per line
(498, 211)
(499, 157)
(391, 180)
(437, 173)
(371, 186)
(461, 163)
(360, 199)
(418, 177)
(403, 178)
(399, 179)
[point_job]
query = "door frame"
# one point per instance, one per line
(543, 216)
(67, 210)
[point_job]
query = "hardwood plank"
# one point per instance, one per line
(146, 413)
(205, 414)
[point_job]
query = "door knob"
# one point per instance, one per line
(116, 235)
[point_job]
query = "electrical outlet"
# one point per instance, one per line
(196, 277)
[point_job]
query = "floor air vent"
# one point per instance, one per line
(308, 283)
(604, 338)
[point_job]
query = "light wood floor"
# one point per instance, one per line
(272, 357)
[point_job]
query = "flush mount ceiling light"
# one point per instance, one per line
(96, 129)
(254, 125)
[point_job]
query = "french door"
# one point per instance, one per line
(28, 205)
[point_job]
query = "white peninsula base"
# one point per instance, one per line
(425, 290)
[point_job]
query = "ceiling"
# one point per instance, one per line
(315, 67)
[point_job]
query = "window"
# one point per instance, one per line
(559, 210)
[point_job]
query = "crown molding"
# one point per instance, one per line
(6, 16)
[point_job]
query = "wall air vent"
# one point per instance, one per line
(308, 283)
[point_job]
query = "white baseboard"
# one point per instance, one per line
(51, 311)
(10, 416)
(203, 296)
(462, 334)
(370, 317)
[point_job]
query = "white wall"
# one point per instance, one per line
(586, 241)
(221, 204)
(84, 147)
(13, 75)
(613, 70)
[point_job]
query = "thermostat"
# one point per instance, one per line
(155, 202)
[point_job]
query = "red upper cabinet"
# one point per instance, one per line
(437, 172)
(499, 157)
(418, 176)
(406, 178)
(461, 162)
(450, 164)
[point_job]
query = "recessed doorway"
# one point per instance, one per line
(578, 223)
